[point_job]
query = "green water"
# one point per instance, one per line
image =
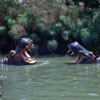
(51, 79)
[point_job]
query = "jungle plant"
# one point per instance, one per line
(17, 31)
(2, 30)
(27, 20)
(52, 45)
(35, 38)
(94, 26)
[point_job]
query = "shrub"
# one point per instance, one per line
(65, 35)
(73, 11)
(2, 30)
(94, 26)
(17, 31)
(50, 34)
(27, 20)
(66, 20)
(79, 23)
(52, 45)
(57, 26)
(35, 38)
(10, 21)
(90, 40)
(85, 35)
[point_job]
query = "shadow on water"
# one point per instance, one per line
(51, 79)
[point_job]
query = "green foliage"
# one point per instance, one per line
(11, 8)
(84, 32)
(17, 31)
(69, 24)
(2, 30)
(22, 20)
(66, 20)
(94, 38)
(73, 11)
(52, 45)
(41, 27)
(65, 35)
(3, 34)
(79, 23)
(58, 26)
(90, 40)
(26, 19)
(93, 42)
(50, 23)
(85, 36)
(35, 38)
(10, 21)
(50, 34)
(94, 26)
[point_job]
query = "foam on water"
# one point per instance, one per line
(39, 64)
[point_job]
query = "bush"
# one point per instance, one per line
(66, 20)
(94, 26)
(73, 11)
(52, 45)
(27, 20)
(17, 31)
(41, 27)
(57, 27)
(65, 35)
(2, 30)
(90, 40)
(10, 21)
(35, 38)
(50, 34)
(85, 35)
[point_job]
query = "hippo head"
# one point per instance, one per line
(19, 56)
(75, 48)
(25, 43)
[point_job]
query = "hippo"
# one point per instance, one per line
(84, 56)
(19, 56)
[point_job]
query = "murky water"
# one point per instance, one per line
(51, 79)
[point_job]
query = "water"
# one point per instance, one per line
(51, 79)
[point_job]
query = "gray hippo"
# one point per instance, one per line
(19, 56)
(83, 55)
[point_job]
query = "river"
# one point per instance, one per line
(51, 79)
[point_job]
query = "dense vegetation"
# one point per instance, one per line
(51, 24)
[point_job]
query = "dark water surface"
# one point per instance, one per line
(51, 79)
